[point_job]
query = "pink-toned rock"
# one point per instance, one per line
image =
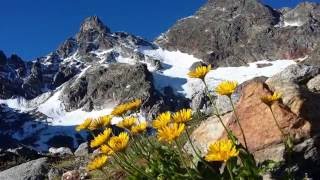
(71, 175)
(257, 121)
(208, 131)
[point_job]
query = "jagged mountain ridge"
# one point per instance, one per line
(235, 32)
(75, 54)
(86, 76)
(90, 73)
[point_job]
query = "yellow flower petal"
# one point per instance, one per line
(101, 138)
(221, 151)
(84, 125)
(140, 128)
(105, 149)
(170, 132)
(226, 88)
(182, 116)
(162, 120)
(200, 72)
(119, 143)
(134, 105)
(127, 122)
(269, 99)
(120, 110)
(97, 163)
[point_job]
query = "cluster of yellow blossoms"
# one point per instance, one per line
(171, 126)
(108, 143)
(122, 109)
(94, 124)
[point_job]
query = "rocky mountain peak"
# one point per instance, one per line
(93, 23)
(93, 34)
(91, 28)
(237, 32)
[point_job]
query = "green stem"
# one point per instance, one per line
(119, 162)
(153, 147)
(229, 170)
(122, 166)
(238, 121)
(188, 156)
(181, 157)
(275, 120)
(217, 114)
(143, 148)
(104, 172)
(127, 167)
(197, 153)
(133, 167)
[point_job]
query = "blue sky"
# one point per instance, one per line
(32, 28)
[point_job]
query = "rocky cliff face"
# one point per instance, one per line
(93, 45)
(90, 73)
(235, 32)
(93, 71)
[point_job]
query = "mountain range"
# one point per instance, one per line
(88, 74)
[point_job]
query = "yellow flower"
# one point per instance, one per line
(119, 143)
(221, 151)
(182, 116)
(105, 149)
(269, 99)
(106, 120)
(170, 132)
(200, 72)
(96, 124)
(84, 125)
(101, 138)
(134, 105)
(162, 120)
(120, 110)
(127, 122)
(137, 129)
(226, 88)
(100, 122)
(97, 163)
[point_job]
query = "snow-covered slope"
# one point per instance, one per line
(70, 84)
(175, 66)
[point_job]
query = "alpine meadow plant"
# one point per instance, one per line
(146, 149)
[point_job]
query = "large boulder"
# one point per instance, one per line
(256, 120)
(258, 123)
(292, 82)
(208, 131)
(32, 170)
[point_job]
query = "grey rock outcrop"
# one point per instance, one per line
(118, 82)
(236, 32)
(314, 84)
(32, 170)
(82, 150)
(61, 151)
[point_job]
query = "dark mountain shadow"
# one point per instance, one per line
(32, 130)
